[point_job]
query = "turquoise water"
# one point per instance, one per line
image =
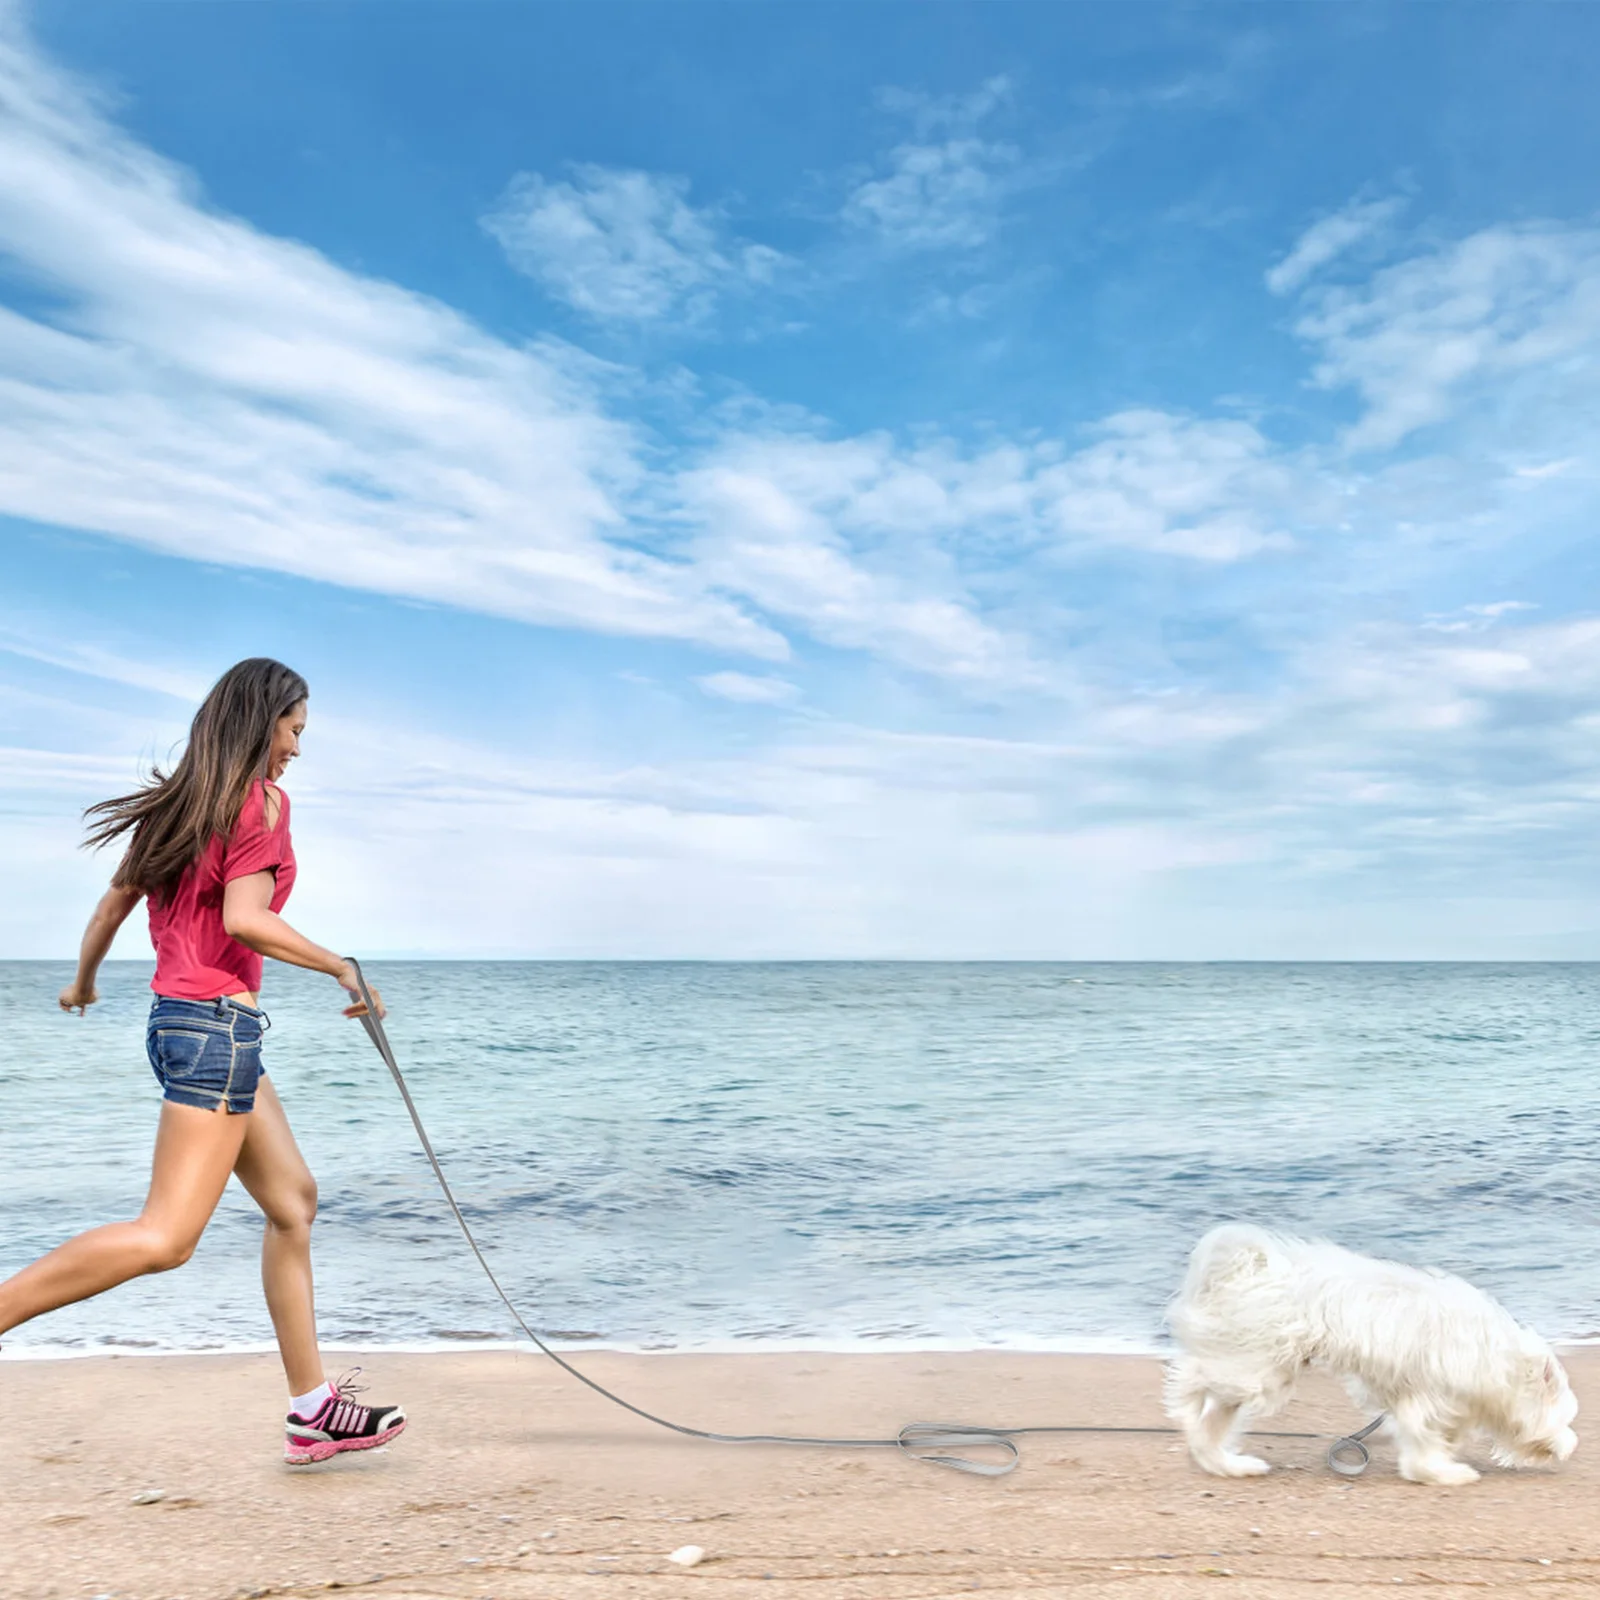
(857, 1153)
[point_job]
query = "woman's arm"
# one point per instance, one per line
(247, 915)
(109, 915)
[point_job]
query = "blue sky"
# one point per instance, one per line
(795, 480)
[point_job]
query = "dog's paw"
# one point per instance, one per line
(1443, 1474)
(1232, 1466)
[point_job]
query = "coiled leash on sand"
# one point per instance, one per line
(921, 1441)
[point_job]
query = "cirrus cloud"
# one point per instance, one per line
(1432, 334)
(1329, 238)
(624, 245)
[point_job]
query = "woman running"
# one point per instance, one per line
(209, 848)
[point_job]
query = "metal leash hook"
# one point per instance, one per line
(915, 1440)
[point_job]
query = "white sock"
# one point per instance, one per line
(308, 1405)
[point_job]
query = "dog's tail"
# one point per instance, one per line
(1232, 1250)
(1223, 1266)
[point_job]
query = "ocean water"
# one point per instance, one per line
(845, 1155)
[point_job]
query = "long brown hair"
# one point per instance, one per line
(174, 817)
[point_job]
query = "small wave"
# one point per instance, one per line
(886, 1342)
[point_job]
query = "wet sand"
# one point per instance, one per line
(516, 1481)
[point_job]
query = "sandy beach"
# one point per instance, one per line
(514, 1480)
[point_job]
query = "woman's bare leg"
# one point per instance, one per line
(271, 1167)
(195, 1152)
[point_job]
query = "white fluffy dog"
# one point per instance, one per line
(1440, 1357)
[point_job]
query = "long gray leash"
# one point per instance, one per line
(918, 1440)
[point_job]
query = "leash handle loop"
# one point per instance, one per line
(1349, 1456)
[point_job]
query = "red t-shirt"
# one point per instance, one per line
(196, 957)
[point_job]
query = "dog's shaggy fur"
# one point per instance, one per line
(1441, 1358)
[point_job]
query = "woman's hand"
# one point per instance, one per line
(109, 915)
(247, 916)
(77, 996)
(352, 987)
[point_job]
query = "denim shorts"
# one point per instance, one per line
(207, 1053)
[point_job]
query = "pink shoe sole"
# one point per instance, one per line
(324, 1449)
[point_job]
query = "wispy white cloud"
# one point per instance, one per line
(1475, 619)
(944, 188)
(93, 661)
(1453, 757)
(1427, 336)
(774, 519)
(1222, 82)
(935, 196)
(58, 772)
(1328, 238)
(939, 305)
(931, 114)
(1213, 491)
(625, 245)
(1547, 469)
(748, 689)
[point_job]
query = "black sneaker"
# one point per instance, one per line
(340, 1424)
